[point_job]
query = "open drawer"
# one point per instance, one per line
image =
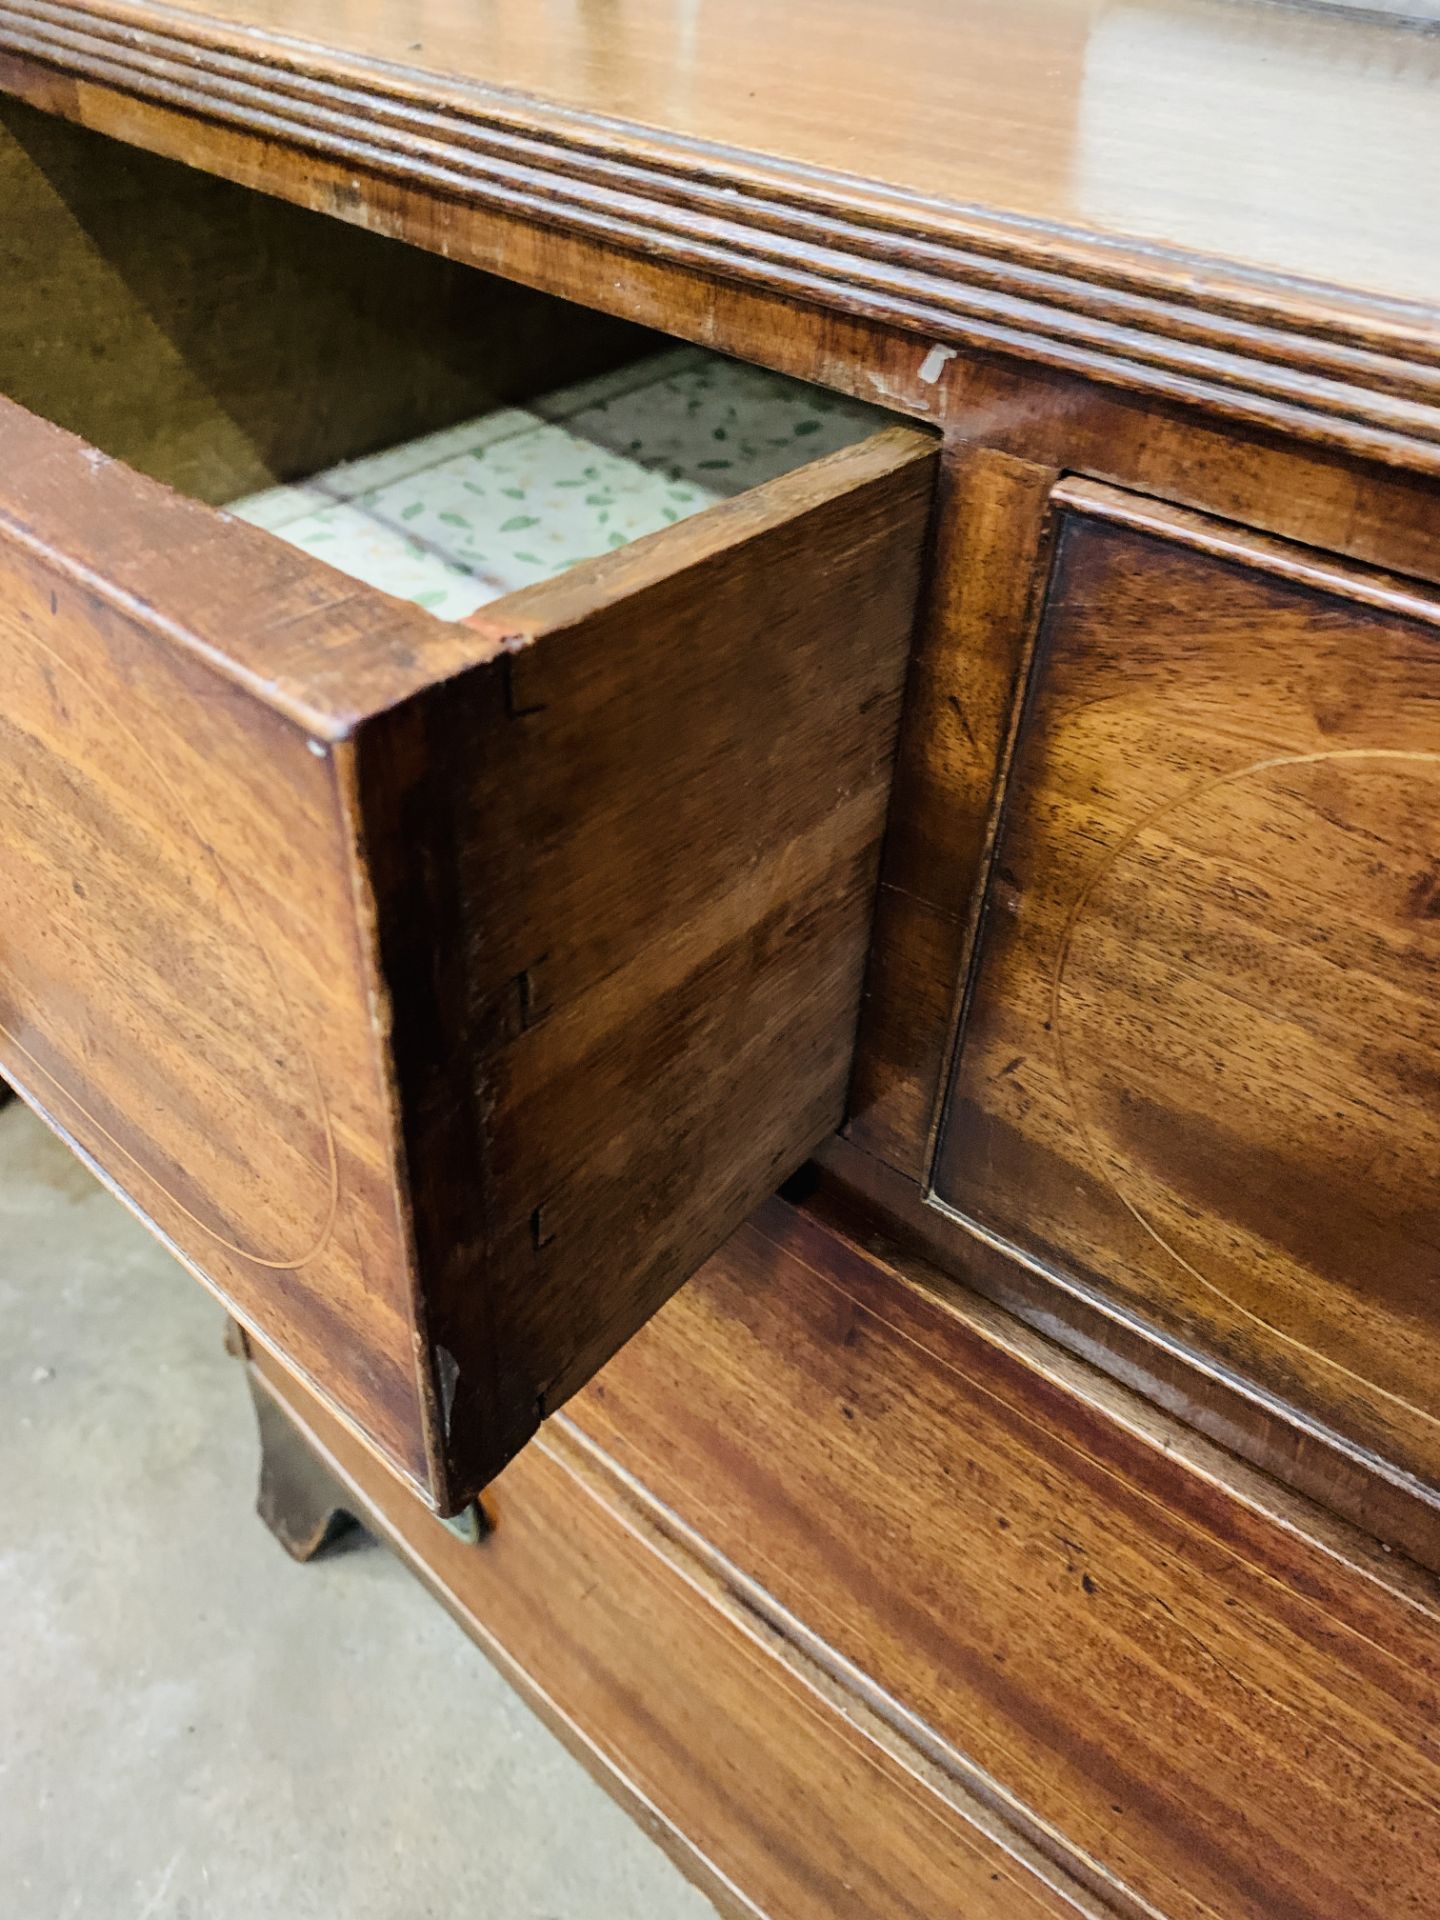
(442, 992)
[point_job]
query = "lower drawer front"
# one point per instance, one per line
(1202, 1692)
(442, 993)
(777, 1792)
(941, 1623)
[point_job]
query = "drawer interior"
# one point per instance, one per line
(434, 431)
(440, 820)
(455, 519)
(224, 342)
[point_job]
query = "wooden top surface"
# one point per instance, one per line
(1304, 139)
(1148, 183)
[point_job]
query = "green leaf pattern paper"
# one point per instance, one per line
(461, 517)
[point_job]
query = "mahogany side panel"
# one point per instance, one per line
(992, 520)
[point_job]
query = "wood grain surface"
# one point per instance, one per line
(1011, 429)
(1250, 238)
(960, 716)
(182, 993)
(443, 994)
(851, 1580)
(963, 706)
(1225, 1703)
(695, 1709)
(652, 914)
(1198, 1065)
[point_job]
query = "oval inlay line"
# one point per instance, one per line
(1430, 761)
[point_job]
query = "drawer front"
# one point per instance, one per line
(182, 990)
(1199, 1068)
(1204, 1697)
(442, 994)
(672, 1663)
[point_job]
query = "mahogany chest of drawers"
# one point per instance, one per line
(899, 991)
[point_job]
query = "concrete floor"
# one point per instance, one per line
(191, 1727)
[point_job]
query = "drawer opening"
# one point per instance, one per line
(432, 430)
(224, 342)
